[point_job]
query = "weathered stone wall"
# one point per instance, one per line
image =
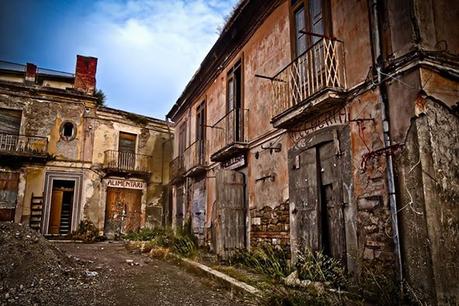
(270, 225)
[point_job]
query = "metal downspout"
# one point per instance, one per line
(387, 140)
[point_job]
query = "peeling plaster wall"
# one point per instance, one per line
(429, 191)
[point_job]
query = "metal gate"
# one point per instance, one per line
(229, 217)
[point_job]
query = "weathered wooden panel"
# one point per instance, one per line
(333, 240)
(56, 210)
(8, 189)
(10, 121)
(304, 200)
(230, 213)
(123, 211)
(198, 210)
(179, 211)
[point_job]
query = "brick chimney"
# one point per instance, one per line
(30, 73)
(85, 74)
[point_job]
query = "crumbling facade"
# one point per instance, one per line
(344, 115)
(64, 159)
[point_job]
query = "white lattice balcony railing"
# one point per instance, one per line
(320, 67)
(23, 144)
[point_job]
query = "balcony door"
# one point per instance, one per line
(234, 118)
(310, 20)
(10, 123)
(200, 131)
(126, 151)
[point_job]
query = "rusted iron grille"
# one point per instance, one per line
(194, 155)
(230, 129)
(23, 144)
(176, 166)
(127, 161)
(320, 67)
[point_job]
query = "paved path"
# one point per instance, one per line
(133, 279)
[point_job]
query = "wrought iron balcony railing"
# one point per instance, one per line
(320, 67)
(23, 144)
(127, 161)
(230, 130)
(177, 167)
(194, 155)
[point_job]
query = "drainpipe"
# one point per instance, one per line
(377, 59)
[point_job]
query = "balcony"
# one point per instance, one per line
(312, 84)
(177, 169)
(15, 147)
(127, 164)
(229, 135)
(195, 159)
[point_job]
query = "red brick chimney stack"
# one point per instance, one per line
(31, 73)
(85, 74)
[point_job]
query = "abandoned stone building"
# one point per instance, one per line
(332, 126)
(64, 159)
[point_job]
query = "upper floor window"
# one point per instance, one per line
(10, 121)
(234, 88)
(127, 142)
(182, 138)
(68, 130)
(201, 121)
(310, 21)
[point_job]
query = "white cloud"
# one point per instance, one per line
(148, 50)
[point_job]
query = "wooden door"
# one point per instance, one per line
(56, 211)
(316, 203)
(230, 213)
(123, 211)
(304, 201)
(179, 207)
(198, 210)
(8, 195)
(333, 240)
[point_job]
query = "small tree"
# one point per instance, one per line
(100, 96)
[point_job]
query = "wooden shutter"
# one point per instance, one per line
(10, 121)
(304, 200)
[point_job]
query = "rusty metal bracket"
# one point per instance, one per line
(264, 178)
(390, 150)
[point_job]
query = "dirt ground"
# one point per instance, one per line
(134, 279)
(35, 271)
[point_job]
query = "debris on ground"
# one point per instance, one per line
(33, 271)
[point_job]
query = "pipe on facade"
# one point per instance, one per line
(377, 62)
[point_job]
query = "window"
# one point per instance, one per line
(10, 121)
(68, 130)
(182, 139)
(234, 103)
(201, 129)
(310, 21)
(126, 151)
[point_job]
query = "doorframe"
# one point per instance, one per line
(49, 182)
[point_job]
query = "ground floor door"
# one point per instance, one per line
(316, 203)
(62, 197)
(179, 206)
(229, 217)
(8, 195)
(198, 210)
(123, 211)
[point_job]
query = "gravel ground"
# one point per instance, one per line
(34, 271)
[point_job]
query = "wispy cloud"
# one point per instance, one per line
(148, 50)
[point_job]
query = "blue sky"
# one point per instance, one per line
(148, 50)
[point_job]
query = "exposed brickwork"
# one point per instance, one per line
(85, 74)
(271, 226)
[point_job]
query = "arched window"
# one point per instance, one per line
(68, 131)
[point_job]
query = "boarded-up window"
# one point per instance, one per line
(10, 121)
(127, 142)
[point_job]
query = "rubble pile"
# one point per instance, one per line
(34, 272)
